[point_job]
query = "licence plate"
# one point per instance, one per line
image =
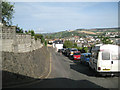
(106, 69)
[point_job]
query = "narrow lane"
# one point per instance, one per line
(66, 73)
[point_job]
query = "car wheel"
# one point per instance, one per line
(90, 68)
(97, 74)
(80, 61)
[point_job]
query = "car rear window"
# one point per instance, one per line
(74, 50)
(105, 55)
(76, 53)
(88, 55)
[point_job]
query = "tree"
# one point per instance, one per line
(26, 32)
(40, 36)
(86, 49)
(75, 45)
(29, 31)
(106, 40)
(42, 40)
(46, 37)
(68, 44)
(7, 13)
(60, 37)
(45, 43)
(51, 37)
(35, 38)
(32, 33)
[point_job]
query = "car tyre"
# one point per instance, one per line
(80, 62)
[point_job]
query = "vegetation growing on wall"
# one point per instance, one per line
(19, 30)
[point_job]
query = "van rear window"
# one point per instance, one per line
(115, 57)
(105, 56)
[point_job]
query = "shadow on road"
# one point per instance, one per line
(12, 79)
(67, 83)
(84, 69)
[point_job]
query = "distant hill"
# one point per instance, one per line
(81, 32)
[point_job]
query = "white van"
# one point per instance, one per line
(105, 59)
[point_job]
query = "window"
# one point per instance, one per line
(88, 56)
(105, 56)
(74, 50)
(76, 53)
(82, 55)
(95, 55)
(115, 56)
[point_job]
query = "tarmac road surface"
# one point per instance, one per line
(66, 73)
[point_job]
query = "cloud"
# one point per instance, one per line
(40, 30)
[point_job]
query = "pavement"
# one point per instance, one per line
(66, 73)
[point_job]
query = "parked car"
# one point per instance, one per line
(77, 55)
(85, 57)
(63, 50)
(60, 50)
(70, 51)
(105, 59)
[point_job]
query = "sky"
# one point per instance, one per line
(48, 17)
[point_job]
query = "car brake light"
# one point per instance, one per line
(99, 68)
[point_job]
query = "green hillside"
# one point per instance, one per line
(81, 32)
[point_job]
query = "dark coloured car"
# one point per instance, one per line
(60, 50)
(65, 51)
(71, 51)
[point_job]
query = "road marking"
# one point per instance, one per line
(35, 81)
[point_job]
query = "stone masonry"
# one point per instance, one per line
(15, 42)
(22, 58)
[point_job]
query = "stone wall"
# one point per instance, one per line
(14, 42)
(23, 58)
(17, 66)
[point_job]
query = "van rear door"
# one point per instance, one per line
(106, 62)
(115, 61)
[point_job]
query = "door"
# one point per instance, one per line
(115, 60)
(106, 62)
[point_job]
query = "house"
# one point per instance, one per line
(76, 37)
